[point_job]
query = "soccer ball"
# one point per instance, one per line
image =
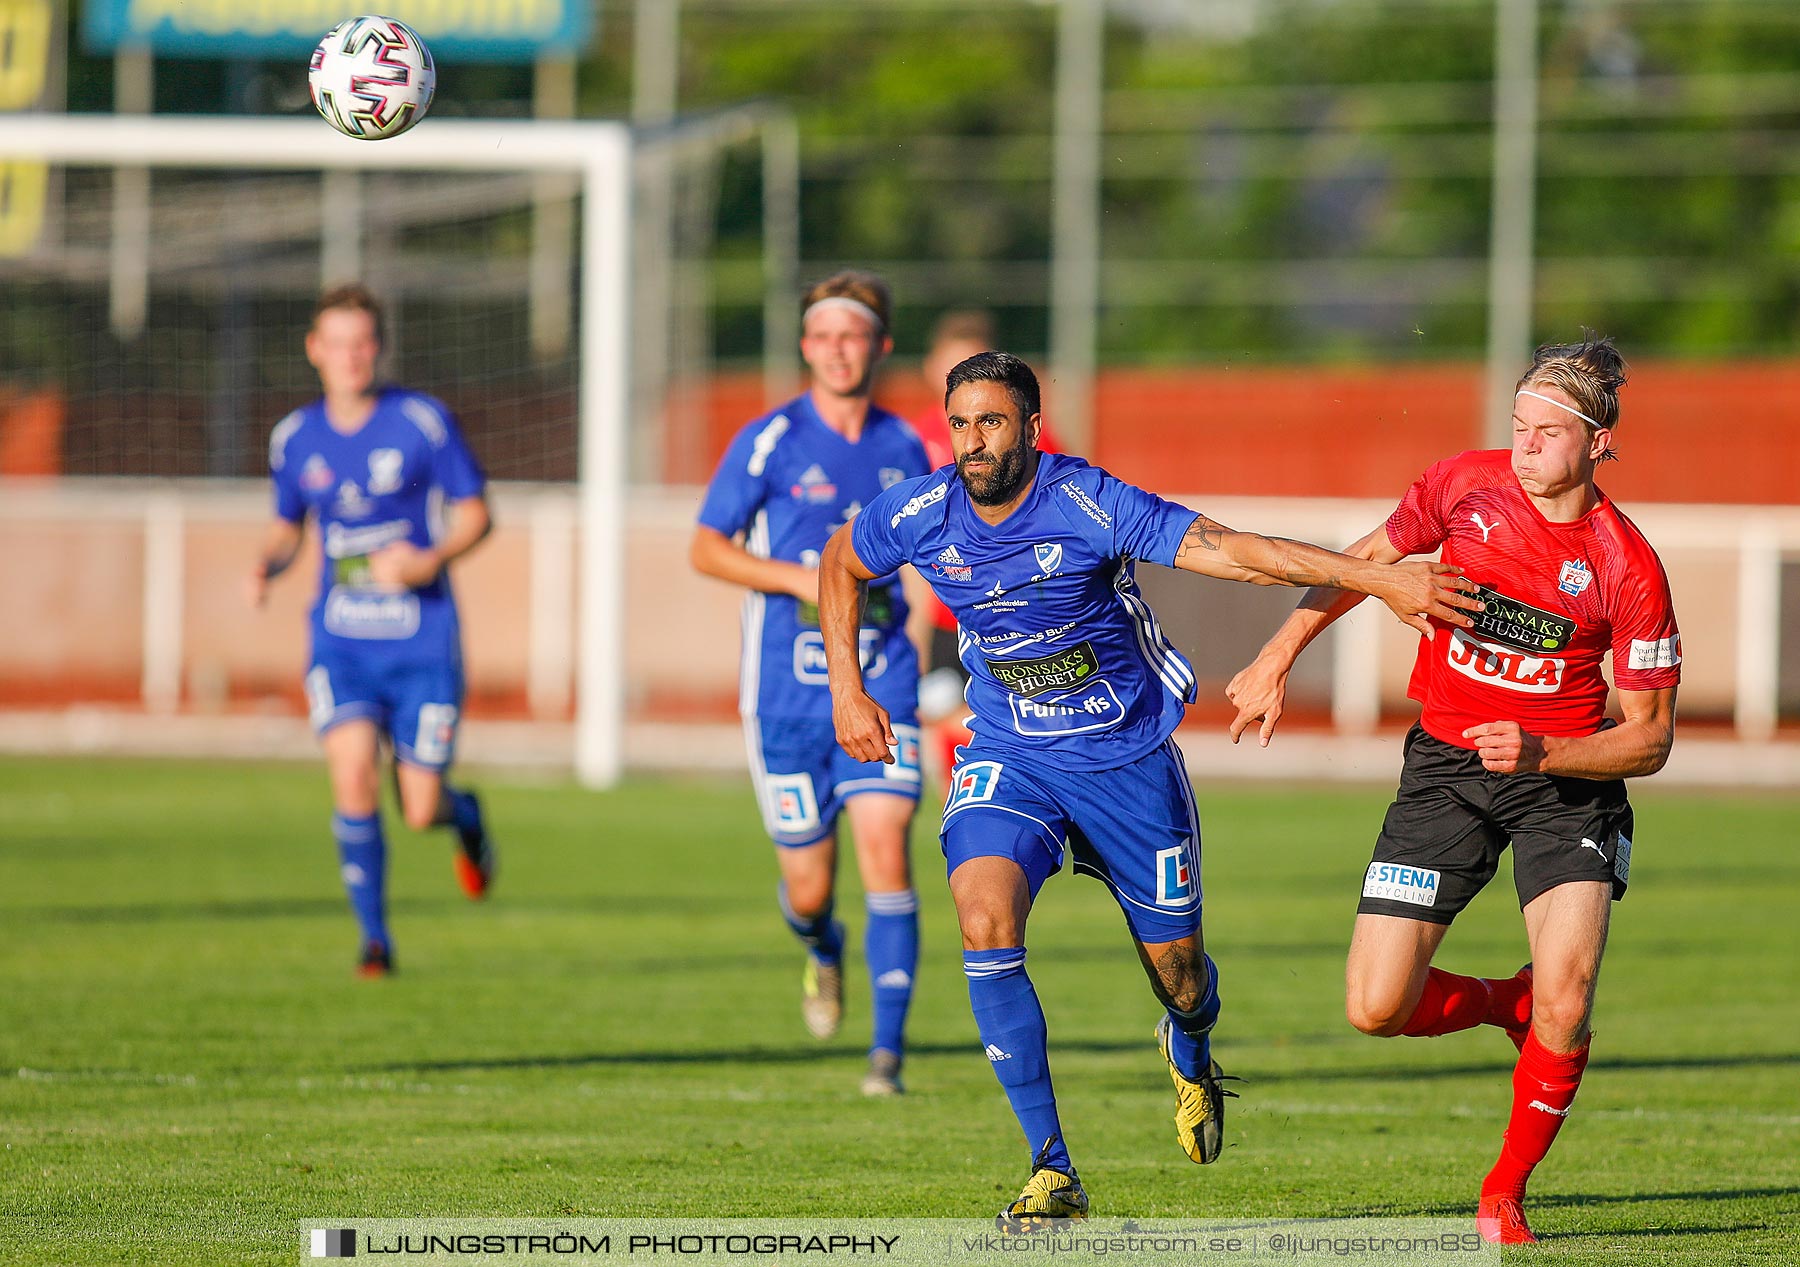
(372, 77)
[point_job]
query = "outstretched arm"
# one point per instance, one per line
(1413, 591)
(863, 729)
(1260, 688)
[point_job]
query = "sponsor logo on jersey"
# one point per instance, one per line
(1096, 708)
(950, 564)
(342, 542)
(370, 614)
(1505, 667)
(809, 656)
(1395, 883)
(1174, 878)
(814, 486)
(1063, 671)
(1091, 507)
(973, 784)
(385, 467)
(1049, 557)
(1484, 525)
(1575, 577)
(1518, 624)
(889, 476)
(928, 498)
(1005, 642)
(317, 476)
(1658, 653)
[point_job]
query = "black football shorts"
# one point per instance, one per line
(1451, 819)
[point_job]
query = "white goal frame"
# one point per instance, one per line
(600, 155)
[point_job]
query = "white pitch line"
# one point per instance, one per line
(1463, 1111)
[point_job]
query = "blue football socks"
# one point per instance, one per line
(465, 811)
(363, 854)
(891, 946)
(824, 938)
(1188, 1043)
(1011, 1022)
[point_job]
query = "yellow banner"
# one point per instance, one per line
(22, 189)
(25, 29)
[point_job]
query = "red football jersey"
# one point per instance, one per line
(1559, 597)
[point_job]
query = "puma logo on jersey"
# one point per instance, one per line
(1482, 524)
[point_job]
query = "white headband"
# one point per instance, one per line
(848, 305)
(1549, 400)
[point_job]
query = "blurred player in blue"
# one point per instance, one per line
(1075, 695)
(397, 496)
(789, 480)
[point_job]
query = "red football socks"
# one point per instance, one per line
(1544, 1086)
(1511, 1005)
(1451, 1003)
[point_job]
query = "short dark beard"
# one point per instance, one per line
(1003, 483)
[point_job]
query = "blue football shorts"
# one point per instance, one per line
(803, 778)
(416, 703)
(1135, 829)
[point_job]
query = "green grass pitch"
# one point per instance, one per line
(188, 1067)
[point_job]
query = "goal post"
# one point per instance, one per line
(600, 156)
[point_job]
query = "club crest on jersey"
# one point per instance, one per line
(890, 476)
(1049, 556)
(815, 486)
(317, 476)
(385, 467)
(1576, 577)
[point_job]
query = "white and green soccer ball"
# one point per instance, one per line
(372, 77)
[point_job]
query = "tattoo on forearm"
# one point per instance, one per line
(1204, 534)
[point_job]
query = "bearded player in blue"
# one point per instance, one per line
(787, 481)
(397, 496)
(1075, 694)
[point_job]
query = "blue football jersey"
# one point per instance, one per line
(1064, 656)
(787, 483)
(386, 482)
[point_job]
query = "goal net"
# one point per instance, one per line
(159, 273)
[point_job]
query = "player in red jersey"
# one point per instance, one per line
(1512, 744)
